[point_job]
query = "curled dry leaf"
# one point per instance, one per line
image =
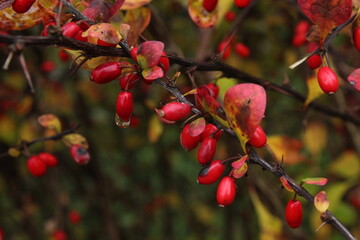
(286, 184)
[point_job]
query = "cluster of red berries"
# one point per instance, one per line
(294, 213)
(210, 5)
(22, 6)
(225, 49)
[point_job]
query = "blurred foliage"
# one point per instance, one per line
(140, 183)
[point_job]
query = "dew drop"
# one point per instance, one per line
(120, 122)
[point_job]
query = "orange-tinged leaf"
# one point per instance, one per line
(75, 139)
(149, 53)
(347, 165)
(315, 138)
(13, 152)
(315, 181)
(354, 79)
(321, 202)
(244, 106)
(289, 148)
(326, 14)
(155, 129)
(200, 16)
(138, 19)
(286, 184)
(133, 4)
(240, 167)
(314, 90)
(197, 127)
(50, 121)
(39, 12)
(103, 31)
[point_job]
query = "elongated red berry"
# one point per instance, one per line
(187, 141)
(230, 16)
(105, 73)
(211, 173)
(259, 138)
(22, 6)
(49, 159)
(226, 191)
(36, 166)
(59, 235)
(328, 80)
(74, 217)
(314, 61)
(209, 130)
(225, 53)
(209, 5)
(242, 50)
(206, 150)
(294, 213)
(124, 105)
(79, 154)
(356, 38)
(133, 52)
(300, 32)
(214, 89)
(174, 111)
(242, 3)
(164, 61)
(71, 29)
(128, 81)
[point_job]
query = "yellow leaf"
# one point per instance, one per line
(155, 129)
(75, 138)
(314, 90)
(50, 121)
(13, 152)
(138, 19)
(284, 146)
(315, 137)
(321, 202)
(347, 165)
(93, 62)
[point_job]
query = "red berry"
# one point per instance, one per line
(206, 150)
(187, 141)
(226, 191)
(242, 50)
(49, 159)
(164, 62)
(22, 6)
(174, 111)
(314, 61)
(36, 166)
(356, 38)
(221, 47)
(105, 72)
(74, 217)
(63, 55)
(59, 235)
(230, 16)
(259, 138)
(209, 5)
(133, 52)
(71, 30)
(1, 234)
(293, 213)
(210, 129)
(214, 89)
(124, 105)
(79, 154)
(211, 173)
(128, 81)
(48, 66)
(242, 3)
(79, 36)
(302, 27)
(328, 80)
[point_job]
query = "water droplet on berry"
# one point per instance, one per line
(120, 122)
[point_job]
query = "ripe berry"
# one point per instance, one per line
(230, 16)
(356, 38)
(210, 129)
(242, 3)
(133, 52)
(206, 150)
(259, 138)
(48, 66)
(49, 159)
(187, 141)
(59, 235)
(124, 105)
(328, 80)
(164, 62)
(226, 191)
(128, 81)
(105, 72)
(214, 89)
(293, 213)
(74, 217)
(71, 29)
(36, 166)
(221, 47)
(22, 6)
(242, 50)
(63, 55)
(174, 111)
(314, 61)
(209, 5)
(300, 32)
(211, 173)
(79, 154)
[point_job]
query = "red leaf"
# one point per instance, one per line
(245, 107)
(149, 53)
(326, 14)
(153, 73)
(197, 127)
(354, 79)
(315, 181)
(101, 10)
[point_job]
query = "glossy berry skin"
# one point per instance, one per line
(211, 173)
(356, 38)
(174, 111)
(328, 80)
(22, 6)
(226, 191)
(259, 138)
(74, 217)
(124, 105)
(242, 3)
(214, 89)
(79, 154)
(242, 50)
(294, 213)
(36, 166)
(105, 73)
(49, 159)
(209, 5)
(314, 61)
(164, 61)
(71, 30)
(128, 81)
(187, 141)
(206, 150)
(221, 47)
(210, 129)
(133, 52)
